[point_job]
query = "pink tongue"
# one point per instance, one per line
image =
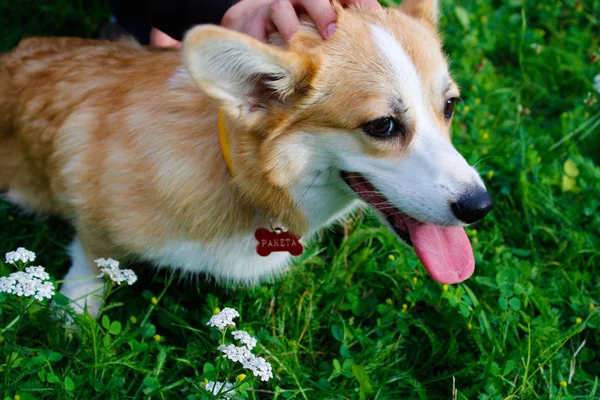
(445, 252)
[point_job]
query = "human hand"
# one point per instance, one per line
(160, 39)
(260, 18)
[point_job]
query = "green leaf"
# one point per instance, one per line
(471, 295)
(363, 379)
(464, 310)
(148, 330)
(36, 360)
(359, 307)
(138, 347)
(209, 371)
(60, 299)
(506, 276)
(338, 332)
(510, 365)
(344, 351)
(151, 384)
(99, 386)
(115, 328)
(53, 378)
(495, 369)
(105, 322)
(519, 289)
(523, 253)
(463, 17)
(116, 382)
(347, 365)
(515, 304)
(503, 303)
(336, 365)
(55, 357)
(69, 385)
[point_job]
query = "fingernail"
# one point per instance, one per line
(331, 29)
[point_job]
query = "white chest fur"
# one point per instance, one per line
(235, 259)
(232, 260)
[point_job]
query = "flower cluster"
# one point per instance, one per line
(33, 282)
(242, 354)
(21, 254)
(111, 268)
(217, 387)
(223, 319)
(258, 365)
(597, 83)
(245, 338)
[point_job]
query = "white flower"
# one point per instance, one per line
(111, 268)
(46, 289)
(38, 272)
(215, 388)
(245, 338)
(235, 353)
(21, 254)
(597, 83)
(223, 319)
(29, 283)
(258, 365)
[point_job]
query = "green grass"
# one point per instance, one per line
(359, 317)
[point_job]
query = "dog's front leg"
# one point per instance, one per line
(85, 293)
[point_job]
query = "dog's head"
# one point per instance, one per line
(365, 114)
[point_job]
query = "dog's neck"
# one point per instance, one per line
(242, 153)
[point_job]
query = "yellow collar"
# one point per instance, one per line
(224, 140)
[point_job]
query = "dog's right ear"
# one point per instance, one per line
(240, 72)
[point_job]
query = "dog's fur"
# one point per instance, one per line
(122, 140)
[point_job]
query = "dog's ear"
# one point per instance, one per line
(427, 10)
(241, 72)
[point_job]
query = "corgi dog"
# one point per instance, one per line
(177, 158)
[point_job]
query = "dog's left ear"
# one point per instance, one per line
(238, 71)
(427, 10)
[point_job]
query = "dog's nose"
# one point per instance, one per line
(473, 206)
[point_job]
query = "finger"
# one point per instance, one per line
(160, 39)
(284, 17)
(258, 25)
(322, 13)
(363, 3)
(257, 30)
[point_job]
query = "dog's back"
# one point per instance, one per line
(28, 120)
(8, 156)
(43, 83)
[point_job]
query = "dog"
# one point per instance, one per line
(179, 158)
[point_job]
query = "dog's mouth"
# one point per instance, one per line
(445, 251)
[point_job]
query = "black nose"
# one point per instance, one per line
(473, 206)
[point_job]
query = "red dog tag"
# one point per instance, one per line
(277, 240)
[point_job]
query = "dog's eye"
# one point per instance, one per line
(449, 107)
(382, 128)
